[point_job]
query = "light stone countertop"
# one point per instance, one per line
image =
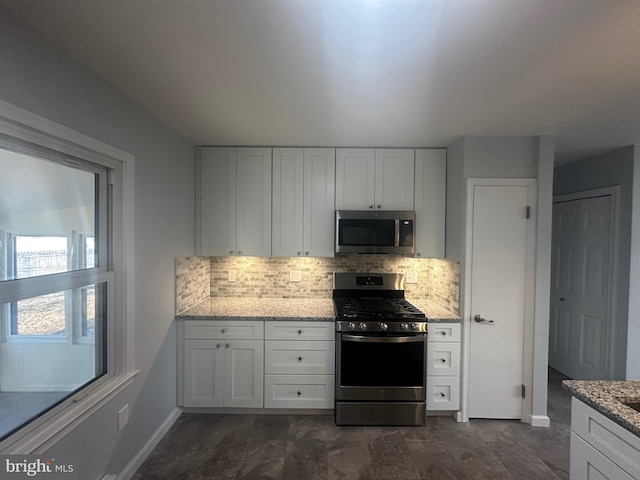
(606, 396)
(300, 309)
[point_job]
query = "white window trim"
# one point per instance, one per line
(43, 433)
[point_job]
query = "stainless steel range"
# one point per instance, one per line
(381, 342)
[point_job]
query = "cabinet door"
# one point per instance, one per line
(244, 373)
(430, 202)
(253, 199)
(216, 201)
(319, 201)
(203, 373)
(443, 358)
(443, 393)
(355, 178)
(587, 463)
(298, 358)
(394, 179)
(288, 203)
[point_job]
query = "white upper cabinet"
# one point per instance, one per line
(303, 201)
(368, 178)
(234, 201)
(430, 198)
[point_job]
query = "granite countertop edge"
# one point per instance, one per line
(606, 397)
(282, 309)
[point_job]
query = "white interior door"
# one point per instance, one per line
(580, 323)
(501, 250)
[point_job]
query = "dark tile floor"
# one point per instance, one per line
(290, 447)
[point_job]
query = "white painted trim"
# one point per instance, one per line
(43, 433)
(78, 409)
(539, 421)
(465, 314)
(139, 458)
(614, 239)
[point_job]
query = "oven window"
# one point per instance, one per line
(359, 232)
(364, 364)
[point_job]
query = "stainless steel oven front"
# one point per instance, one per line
(380, 378)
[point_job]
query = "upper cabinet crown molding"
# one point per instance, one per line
(368, 178)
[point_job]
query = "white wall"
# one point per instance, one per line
(508, 157)
(39, 78)
(614, 168)
(633, 327)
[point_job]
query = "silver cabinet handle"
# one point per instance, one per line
(227, 345)
(370, 206)
(223, 330)
(478, 318)
(299, 393)
(299, 359)
(218, 345)
(443, 360)
(379, 206)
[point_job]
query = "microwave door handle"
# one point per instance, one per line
(397, 230)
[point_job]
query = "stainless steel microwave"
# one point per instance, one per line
(379, 231)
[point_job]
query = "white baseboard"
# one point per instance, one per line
(540, 421)
(142, 455)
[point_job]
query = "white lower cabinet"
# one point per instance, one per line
(223, 370)
(299, 365)
(443, 366)
(600, 448)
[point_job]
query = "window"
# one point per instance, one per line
(63, 312)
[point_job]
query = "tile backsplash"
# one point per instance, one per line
(269, 277)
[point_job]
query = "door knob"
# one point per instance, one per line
(478, 318)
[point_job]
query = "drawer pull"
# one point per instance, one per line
(299, 332)
(299, 393)
(443, 360)
(218, 345)
(443, 333)
(227, 345)
(224, 330)
(442, 394)
(299, 359)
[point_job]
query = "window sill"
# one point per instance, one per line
(45, 432)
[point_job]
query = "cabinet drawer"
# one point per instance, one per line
(443, 393)
(298, 391)
(609, 438)
(443, 359)
(444, 332)
(586, 463)
(286, 357)
(213, 329)
(300, 331)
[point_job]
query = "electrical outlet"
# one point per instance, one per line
(123, 417)
(412, 277)
(231, 276)
(295, 276)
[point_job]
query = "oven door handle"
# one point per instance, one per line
(382, 339)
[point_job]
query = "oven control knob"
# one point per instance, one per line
(384, 327)
(351, 326)
(414, 326)
(363, 326)
(404, 326)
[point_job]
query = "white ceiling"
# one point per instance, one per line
(365, 72)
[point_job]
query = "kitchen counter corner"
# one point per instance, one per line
(607, 397)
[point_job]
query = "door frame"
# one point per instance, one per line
(529, 308)
(614, 237)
